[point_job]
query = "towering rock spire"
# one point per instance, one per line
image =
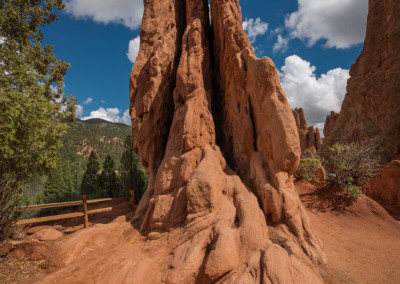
(217, 137)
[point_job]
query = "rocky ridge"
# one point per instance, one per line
(371, 107)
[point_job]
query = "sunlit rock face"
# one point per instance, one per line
(218, 139)
(371, 108)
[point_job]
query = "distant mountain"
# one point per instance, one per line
(98, 135)
(82, 137)
(99, 120)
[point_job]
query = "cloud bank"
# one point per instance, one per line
(110, 114)
(340, 23)
(317, 96)
(125, 12)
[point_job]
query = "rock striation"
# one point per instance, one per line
(310, 137)
(371, 107)
(213, 128)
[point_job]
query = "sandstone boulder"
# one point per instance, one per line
(36, 229)
(310, 137)
(30, 250)
(385, 187)
(48, 234)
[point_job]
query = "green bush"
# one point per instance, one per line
(308, 166)
(349, 166)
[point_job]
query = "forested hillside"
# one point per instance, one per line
(83, 138)
(102, 137)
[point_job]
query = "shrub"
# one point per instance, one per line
(308, 166)
(350, 166)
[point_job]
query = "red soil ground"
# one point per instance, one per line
(361, 240)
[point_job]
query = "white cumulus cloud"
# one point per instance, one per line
(88, 101)
(78, 110)
(281, 44)
(126, 12)
(110, 114)
(126, 118)
(317, 96)
(133, 49)
(340, 23)
(254, 28)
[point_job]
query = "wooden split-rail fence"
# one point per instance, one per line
(85, 214)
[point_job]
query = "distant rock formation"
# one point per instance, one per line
(330, 123)
(385, 187)
(310, 137)
(215, 132)
(371, 107)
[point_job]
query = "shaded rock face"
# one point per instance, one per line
(385, 187)
(371, 108)
(216, 135)
(310, 137)
(330, 123)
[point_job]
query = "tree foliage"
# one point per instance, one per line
(132, 174)
(90, 179)
(308, 167)
(32, 100)
(108, 178)
(60, 185)
(350, 166)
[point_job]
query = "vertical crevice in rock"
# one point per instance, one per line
(223, 96)
(265, 139)
(253, 124)
(152, 82)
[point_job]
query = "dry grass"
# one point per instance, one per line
(18, 271)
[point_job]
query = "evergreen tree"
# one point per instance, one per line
(108, 177)
(59, 186)
(132, 173)
(89, 185)
(54, 190)
(32, 100)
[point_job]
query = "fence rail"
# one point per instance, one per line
(84, 202)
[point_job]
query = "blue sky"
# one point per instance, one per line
(312, 42)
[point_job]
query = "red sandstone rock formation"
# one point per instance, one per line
(371, 108)
(330, 123)
(310, 138)
(385, 187)
(191, 86)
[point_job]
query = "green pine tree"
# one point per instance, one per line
(89, 185)
(108, 177)
(132, 174)
(32, 101)
(54, 190)
(59, 186)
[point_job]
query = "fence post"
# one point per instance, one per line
(85, 212)
(132, 200)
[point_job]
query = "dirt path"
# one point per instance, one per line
(361, 240)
